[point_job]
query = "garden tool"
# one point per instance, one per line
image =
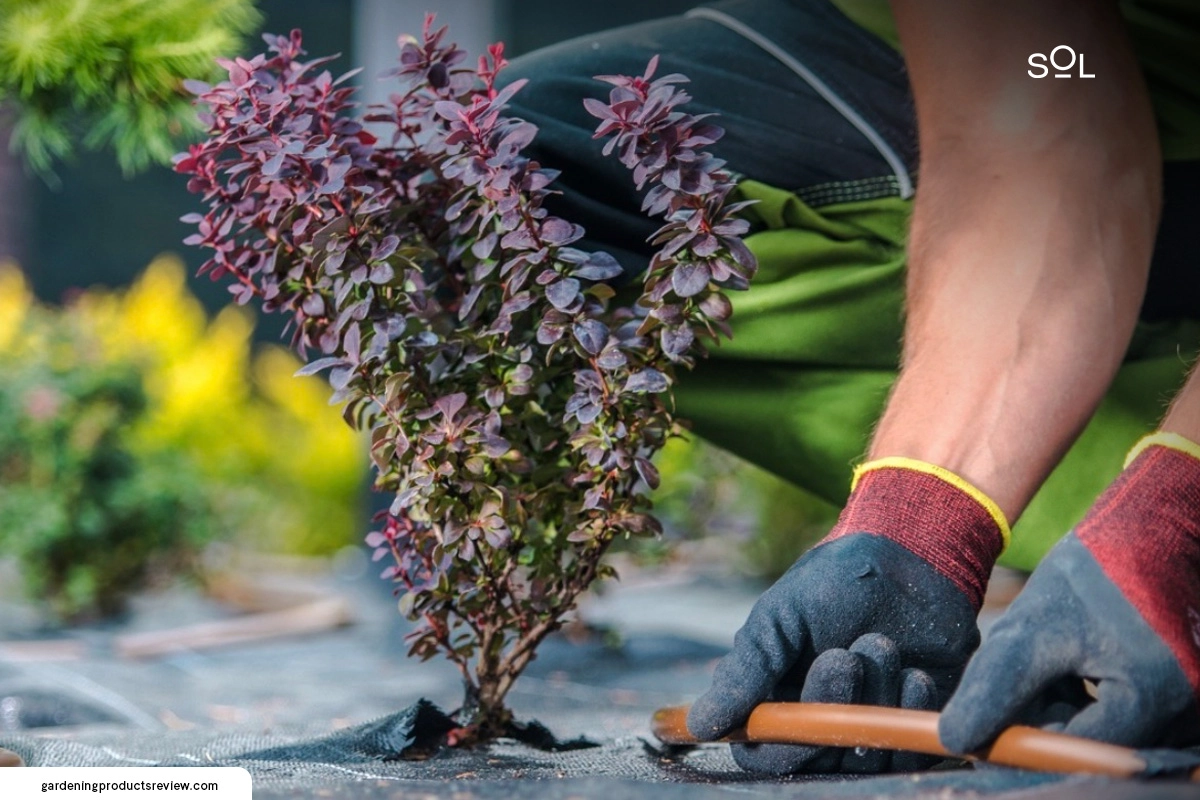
(877, 727)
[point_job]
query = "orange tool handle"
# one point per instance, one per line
(836, 725)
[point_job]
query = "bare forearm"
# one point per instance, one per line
(1030, 243)
(1184, 415)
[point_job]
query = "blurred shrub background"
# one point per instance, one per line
(105, 73)
(135, 429)
(762, 522)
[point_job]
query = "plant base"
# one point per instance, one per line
(423, 730)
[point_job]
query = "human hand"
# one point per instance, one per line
(882, 612)
(1117, 602)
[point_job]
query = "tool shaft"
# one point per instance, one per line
(836, 725)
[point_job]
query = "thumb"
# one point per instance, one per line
(1003, 677)
(1119, 716)
(764, 652)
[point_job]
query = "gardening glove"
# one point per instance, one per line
(880, 612)
(1117, 602)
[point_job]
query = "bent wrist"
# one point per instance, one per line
(1153, 506)
(931, 512)
(1144, 534)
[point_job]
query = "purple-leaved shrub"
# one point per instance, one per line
(513, 405)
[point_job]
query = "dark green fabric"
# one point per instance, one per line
(778, 129)
(1165, 35)
(815, 350)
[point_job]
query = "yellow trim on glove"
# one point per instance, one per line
(1172, 441)
(967, 488)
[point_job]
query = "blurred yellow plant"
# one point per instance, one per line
(15, 302)
(289, 469)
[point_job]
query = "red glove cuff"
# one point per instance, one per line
(1144, 531)
(932, 513)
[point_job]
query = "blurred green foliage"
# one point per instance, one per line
(87, 519)
(707, 491)
(109, 73)
(134, 429)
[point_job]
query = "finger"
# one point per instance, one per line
(1009, 671)
(1120, 715)
(836, 676)
(919, 692)
(764, 651)
(1055, 716)
(1055, 704)
(880, 660)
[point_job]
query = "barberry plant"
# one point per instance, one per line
(514, 406)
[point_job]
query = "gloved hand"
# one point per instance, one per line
(881, 612)
(1117, 602)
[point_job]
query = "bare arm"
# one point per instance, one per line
(1034, 220)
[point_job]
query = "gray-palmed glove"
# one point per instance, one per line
(882, 612)
(1118, 602)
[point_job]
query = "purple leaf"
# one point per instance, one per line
(690, 278)
(484, 246)
(313, 305)
(705, 245)
(496, 446)
(352, 343)
(469, 301)
(382, 273)
(599, 266)
(669, 313)
(594, 107)
(313, 367)
(587, 413)
(647, 471)
(647, 380)
(506, 94)
(742, 253)
(196, 87)
(548, 334)
(716, 306)
(612, 358)
(591, 334)
(562, 294)
(340, 377)
(272, 166)
(386, 248)
(518, 136)
(557, 231)
(676, 340)
(520, 239)
(448, 110)
(451, 404)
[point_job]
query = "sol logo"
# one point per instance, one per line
(1038, 61)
